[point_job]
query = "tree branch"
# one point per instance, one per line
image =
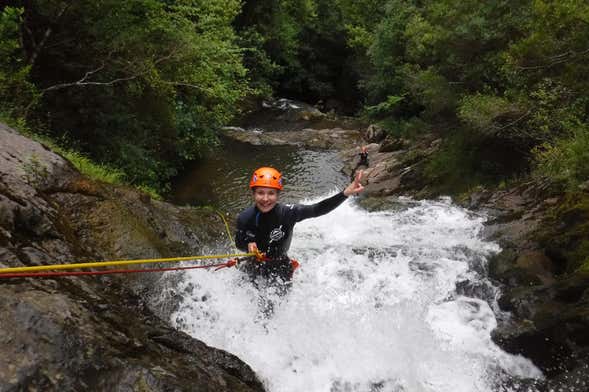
(83, 81)
(38, 48)
(558, 59)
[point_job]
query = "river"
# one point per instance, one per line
(381, 301)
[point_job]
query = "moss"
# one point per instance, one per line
(565, 233)
(88, 167)
(585, 266)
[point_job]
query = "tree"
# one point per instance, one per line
(142, 84)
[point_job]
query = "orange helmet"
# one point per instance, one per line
(266, 177)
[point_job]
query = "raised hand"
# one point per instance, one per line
(355, 186)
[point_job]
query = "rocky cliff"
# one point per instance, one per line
(96, 333)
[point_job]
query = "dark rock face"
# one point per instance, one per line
(95, 333)
(548, 300)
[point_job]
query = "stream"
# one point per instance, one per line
(394, 299)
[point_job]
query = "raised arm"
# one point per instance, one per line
(329, 204)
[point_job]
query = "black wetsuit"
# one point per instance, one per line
(272, 233)
(363, 159)
(362, 162)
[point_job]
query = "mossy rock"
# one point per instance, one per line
(566, 232)
(503, 267)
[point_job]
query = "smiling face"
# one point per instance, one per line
(265, 198)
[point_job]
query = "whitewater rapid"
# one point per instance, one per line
(374, 307)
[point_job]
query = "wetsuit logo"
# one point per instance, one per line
(276, 234)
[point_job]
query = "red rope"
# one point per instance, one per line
(217, 267)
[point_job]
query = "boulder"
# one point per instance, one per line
(390, 144)
(538, 264)
(374, 134)
(550, 323)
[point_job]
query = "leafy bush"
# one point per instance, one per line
(481, 111)
(432, 91)
(384, 108)
(406, 128)
(15, 89)
(567, 160)
(115, 74)
(456, 166)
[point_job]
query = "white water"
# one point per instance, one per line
(372, 308)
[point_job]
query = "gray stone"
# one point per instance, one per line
(374, 134)
(390, 144)
(89, 333)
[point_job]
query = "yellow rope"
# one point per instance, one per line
(118, 262)
(227, 229)
(130, 262)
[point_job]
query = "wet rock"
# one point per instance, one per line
(96, 333)
(398, 172)
(524, 338)
(329, 138)
(374, 134)
(538, 264)
(550, 323)
(286, 115)
(7, 213)
(390, 144)
(478, 197)
(575, 380)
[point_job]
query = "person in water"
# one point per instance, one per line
(267, 226)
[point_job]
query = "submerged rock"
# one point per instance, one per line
(96, 333)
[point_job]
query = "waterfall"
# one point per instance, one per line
(374, 306)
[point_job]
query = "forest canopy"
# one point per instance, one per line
(144, 85)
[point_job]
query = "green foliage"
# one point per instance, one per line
(15, 89)
(481, 111)
(152, 192)
(92, 170)
(567, 159)
(500, 75)
(410, 128)
(384, 108)
(141, 85)
(432, 91)
(457, 166)
(36, 173)
(299, 47)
